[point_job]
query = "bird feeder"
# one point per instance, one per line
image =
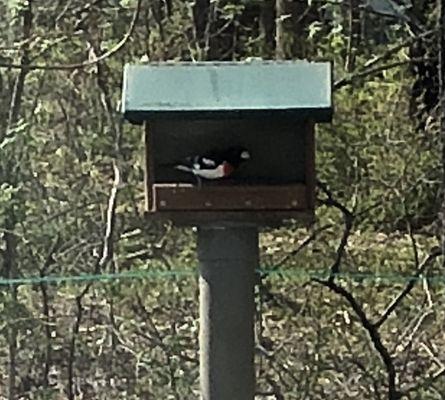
(269, 108)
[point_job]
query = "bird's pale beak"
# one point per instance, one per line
(245, 155)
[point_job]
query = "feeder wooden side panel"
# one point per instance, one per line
(310, 163)
(169, 197)
(149, 166)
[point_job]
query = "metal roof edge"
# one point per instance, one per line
(143, 95)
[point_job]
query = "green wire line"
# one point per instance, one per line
(298, 275)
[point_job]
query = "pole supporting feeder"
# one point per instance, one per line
(228, 257)
(195, 109)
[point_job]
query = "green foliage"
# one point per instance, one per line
(138, 339)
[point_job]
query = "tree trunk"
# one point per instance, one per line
(280, 41)
(442, 108)
(10, 239)
(201, 13)
(354, 34)
(267, 27)
(303, 13)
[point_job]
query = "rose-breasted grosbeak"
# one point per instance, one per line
(215, 164)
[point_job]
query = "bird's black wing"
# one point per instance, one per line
(212, 159)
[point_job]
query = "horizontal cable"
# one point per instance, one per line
(295, 274)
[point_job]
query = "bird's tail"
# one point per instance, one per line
(176, 165)
(183, 168)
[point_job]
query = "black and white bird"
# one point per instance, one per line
(215, 164)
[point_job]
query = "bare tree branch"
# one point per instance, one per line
(413, 245)
(373, 332)
(10, 263)
(376, 70)
(426, 383)
(348, 217)
(107, 251)
(410, 285)
(107, 254)
(107, 54)
(396, 48)
(308, 240)
(371, 329)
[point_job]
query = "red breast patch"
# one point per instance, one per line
(227, 168)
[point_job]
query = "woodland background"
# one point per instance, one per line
(342, 320)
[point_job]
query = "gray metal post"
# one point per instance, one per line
(228, 257)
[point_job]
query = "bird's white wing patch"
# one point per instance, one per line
(208, 162)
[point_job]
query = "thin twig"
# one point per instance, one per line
(309, 239)
(109, 53)
(107, 254)
(372, 71)
(432, 356)
(426, 383)
(398, 47)
(413, 245)
(107, 250)
(410, 285)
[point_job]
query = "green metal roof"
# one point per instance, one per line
(208, 90)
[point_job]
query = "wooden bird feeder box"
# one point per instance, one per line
(269, 108)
